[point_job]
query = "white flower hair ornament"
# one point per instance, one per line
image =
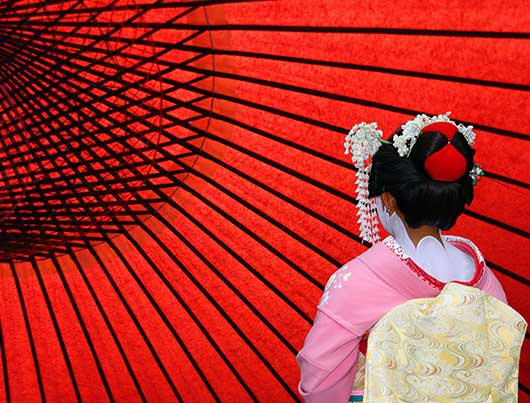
(445, 165)
(413, 128)
(362, 142)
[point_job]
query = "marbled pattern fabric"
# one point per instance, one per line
(461, 346)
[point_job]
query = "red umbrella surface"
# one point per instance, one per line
(173, 188)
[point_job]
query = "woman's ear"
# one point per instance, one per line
(389, 202)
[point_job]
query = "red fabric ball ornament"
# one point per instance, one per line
(447, 164)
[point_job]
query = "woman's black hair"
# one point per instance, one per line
(422, 200)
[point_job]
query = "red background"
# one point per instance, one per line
(210, 294)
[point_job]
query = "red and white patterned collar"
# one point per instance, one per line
(463, 244)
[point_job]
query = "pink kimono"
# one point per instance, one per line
(355, 298)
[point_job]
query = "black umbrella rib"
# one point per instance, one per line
(344, 98)
(341, 30)
(508, 273)
(159, 310)
(17, 119)
(189, 311)
(57, 330)
(328, 158)
(524, 388)
(195, 281)
(101, 309)
(39, 112)
(497, 223)
(83, 326)
(232, 323)
(148, 295)
(57, 224)
(5, 371)
(359, 67)
(319, 124)
(29, 332)
(358, 30)
(30, 6)
(93, 11)
(142, 332)
(351, 199)
(135, 320)
(336, 263)
(247, 264)
(89, 10)
(506, 179)
(166, 320)
(313, 122)
(248, 205)
(52, 315)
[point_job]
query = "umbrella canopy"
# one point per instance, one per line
(173, 189)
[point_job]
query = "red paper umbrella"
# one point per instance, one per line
(174, 193)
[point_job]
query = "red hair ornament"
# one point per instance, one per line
(447, 164)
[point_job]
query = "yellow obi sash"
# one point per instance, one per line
(461, 346)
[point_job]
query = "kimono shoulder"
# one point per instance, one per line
(363, 290)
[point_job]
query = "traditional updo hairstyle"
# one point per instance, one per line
(431, 185)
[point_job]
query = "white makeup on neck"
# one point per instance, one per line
(444, 262)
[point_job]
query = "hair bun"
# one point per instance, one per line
(447, 164)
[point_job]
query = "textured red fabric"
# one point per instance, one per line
(446, 128)
(447, 164)
(225, 273)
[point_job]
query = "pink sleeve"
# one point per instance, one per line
(327, 362)
(492, 286)
(353, 300)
